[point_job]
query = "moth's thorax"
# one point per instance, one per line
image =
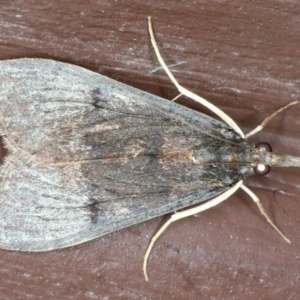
(235, 157)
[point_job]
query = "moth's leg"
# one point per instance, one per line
(188, 93)
(174, 99)
(268, 119)
(263, 212)
(187, 213)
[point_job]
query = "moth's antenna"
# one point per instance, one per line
(268, 119)
(190, 94)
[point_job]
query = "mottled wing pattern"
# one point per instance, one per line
(88, 155)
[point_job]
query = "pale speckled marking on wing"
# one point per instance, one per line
(91, 155)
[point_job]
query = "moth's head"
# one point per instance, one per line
(260, 168)
(265, 159)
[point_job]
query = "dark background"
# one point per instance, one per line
(241, 55)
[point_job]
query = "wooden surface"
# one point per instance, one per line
(241, 55)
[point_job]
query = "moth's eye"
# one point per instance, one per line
(263, 147)
(260, 169)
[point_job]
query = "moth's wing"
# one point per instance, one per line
(88, 155)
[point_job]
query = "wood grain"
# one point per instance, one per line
(243, 56)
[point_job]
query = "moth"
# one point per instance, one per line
(88, 155)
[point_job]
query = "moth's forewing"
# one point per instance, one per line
(89, 155)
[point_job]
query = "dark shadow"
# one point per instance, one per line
(3, 151)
